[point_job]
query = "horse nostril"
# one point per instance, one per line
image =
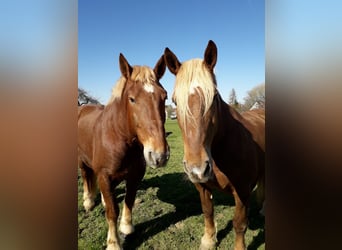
(207, 168)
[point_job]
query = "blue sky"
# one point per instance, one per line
(142, 29)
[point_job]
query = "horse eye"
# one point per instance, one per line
(131, 99)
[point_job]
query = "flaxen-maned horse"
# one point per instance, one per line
(117, 140)
(222, 149)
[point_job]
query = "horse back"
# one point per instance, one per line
(87, 109)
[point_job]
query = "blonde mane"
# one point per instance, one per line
(192, 76)
(142, 74)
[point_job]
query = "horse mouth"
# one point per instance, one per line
(156, 160)
(195, 179)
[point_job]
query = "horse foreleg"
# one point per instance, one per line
(89, 186)
(126, 225)
(132, 182)
(208, 240)
(112, 211)
(240, 221)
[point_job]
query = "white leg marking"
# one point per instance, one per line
(113, 242)
(88, 200)
(126, 226)
(207, 243)
(208, 240)
(103, 201)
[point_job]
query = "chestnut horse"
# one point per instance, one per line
(222, 149)
(117, 140)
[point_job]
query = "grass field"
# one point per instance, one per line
(167, 212)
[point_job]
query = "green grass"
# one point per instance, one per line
(167, 213)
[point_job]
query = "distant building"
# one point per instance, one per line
(256, 105)
(173, 115)
(170, 112)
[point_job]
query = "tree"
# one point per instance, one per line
(232, 101)
(256, 97)
(232, 97)
(84, 97)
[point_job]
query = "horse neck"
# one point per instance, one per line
(229, 120)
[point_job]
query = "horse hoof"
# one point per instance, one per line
(207, 247)
(88, 205)
(207, 244)
(126, 229)
(113, 247)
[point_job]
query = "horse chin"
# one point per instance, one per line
(197, 180)
(153, 166)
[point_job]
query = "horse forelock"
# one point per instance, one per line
(140, 75)
(192, 77)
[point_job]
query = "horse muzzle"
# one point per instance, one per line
(199, 173)
(156, 159)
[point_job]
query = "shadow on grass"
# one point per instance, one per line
(255, 222)
(257, 241)
(224, 232)
(175, 189)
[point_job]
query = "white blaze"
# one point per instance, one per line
(149, 88)
(193, 87)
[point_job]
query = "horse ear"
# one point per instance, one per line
(125, 68)
(160, 68)
(171, 61)
(210, 55)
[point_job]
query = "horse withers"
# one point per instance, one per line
(222, 148)
(116, 141)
